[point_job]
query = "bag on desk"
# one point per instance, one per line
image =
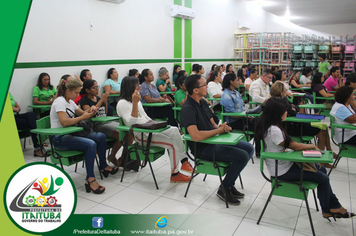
(151, 124)
(256, 110)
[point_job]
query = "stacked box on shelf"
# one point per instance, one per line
(337, 51)
(349, 57)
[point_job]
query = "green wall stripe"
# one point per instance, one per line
(29, 65)
(25, 65)
(202, 60)
(178, 37)
(188, 38)
(188, 3)
(188, 68)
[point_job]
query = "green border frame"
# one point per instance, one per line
(31, 164)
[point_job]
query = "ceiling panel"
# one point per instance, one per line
(313, 12)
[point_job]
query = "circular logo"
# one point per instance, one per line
(39, 197)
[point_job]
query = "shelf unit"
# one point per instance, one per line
(264, 49)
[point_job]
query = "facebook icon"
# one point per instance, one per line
(98, 222)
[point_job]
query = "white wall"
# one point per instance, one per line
(59, 31)
(135, 29)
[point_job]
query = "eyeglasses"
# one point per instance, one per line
(201, 86)
(95, 87)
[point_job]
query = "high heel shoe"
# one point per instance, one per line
(113, 171)
(99, 190)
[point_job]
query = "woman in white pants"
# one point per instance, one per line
(130, 109)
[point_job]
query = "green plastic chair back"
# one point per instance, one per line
(154, 152)
(43, 123)
(207, 167)
(68, 158)
(345, 150)
(287, 189)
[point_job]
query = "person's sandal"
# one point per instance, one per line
(38, 153)
(88, 189)
(106, 172)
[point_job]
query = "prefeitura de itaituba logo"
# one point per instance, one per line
(41, 201)
(42, 207)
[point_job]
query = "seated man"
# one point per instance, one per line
(335, 80)
(199, 123)
(259, 89)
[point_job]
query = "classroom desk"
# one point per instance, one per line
(39, 106)
(37, 109)
(104, 119)
(156, 104)
(226, 139)
(313, 106)
(300, 120)
(295, 156)
(298, 94)
(213, 99)
(145, 151)
(56, 131)
(172, 92)
(301, 88)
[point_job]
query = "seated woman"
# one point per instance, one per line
(282, 76)
(63, 112)
(241, 75)
(134, 73)
(84, 75)
(181, 94)
(318, 87)
(131, 110)
(270, 129)
(249, 80)
(150, 94)
(93, 101)
(294, 129)
(344, 114)
(112, 86)
(43, 93)
(181, 73)
(176, 70)
(26, 121)
(229, 69)
(201, 71)
(295, 83)
(164, 83)
(232, 101)
(306, 76)
(215, 89)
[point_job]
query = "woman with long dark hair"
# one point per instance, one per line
(43, 93)
(270, 129)
(131, 110)
(92, 100)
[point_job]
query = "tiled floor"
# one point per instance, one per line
(138, 195)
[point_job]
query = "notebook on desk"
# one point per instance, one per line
(311, 153)
(310, 116)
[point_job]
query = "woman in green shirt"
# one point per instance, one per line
(43, 93)
(181, 94)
